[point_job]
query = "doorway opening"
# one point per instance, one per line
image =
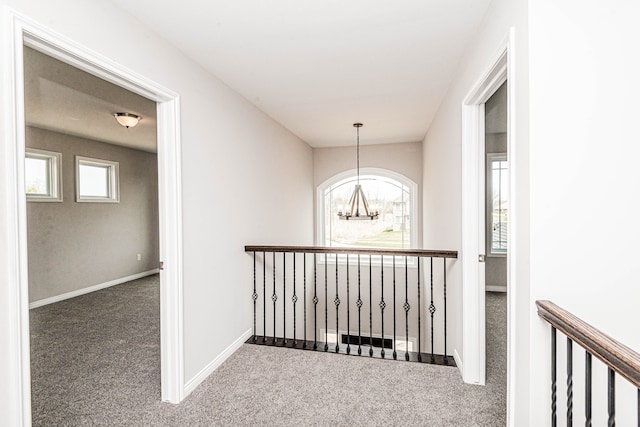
(23, 32)
(475, 232)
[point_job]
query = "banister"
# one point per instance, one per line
(361, 251)
(614, 354)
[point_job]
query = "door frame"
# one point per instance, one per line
(500, 69)
(18, 32)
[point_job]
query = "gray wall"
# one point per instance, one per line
(75, 245)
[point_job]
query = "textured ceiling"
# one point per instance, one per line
(65, 99)
(317, 66)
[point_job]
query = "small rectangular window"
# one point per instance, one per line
(497, 203)
(43, 180)
(97, 180)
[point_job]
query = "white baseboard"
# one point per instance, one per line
(495, 288)
(93, 288)
(215, 364)
(456, 357)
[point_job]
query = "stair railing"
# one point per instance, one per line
(381, 303)
(618, 358)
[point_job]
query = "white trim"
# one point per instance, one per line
(90, 289)
(456, 358)
(495, 288)
(473, 215)
(17, 31)
(194, 382)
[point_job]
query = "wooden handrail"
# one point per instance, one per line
(614, 354)
(362, 251)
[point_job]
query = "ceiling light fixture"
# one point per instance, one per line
(127, 120)
(357, 198)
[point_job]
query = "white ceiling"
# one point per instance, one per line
(64, 99)
(318, 66)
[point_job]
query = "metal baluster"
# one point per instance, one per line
(444, 262)
(382, 304)
(348, 315)
(337, 303)
(554, 420)
(315, 303)
(359, 304)
(611, 422)
(569, 382)
(294, 299)
(326, 302)
(370, 312)
(274, 298)
(432, 310)
(587, 389)
(264, 296)
(406, 307)
(395, 355)
(284, 297)
(419, 317)
(304, 296)
(254, 296)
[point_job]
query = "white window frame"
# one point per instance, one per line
(55, 175)
(113, 189)
(492, 157)
(413, 220)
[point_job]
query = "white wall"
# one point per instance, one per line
(584, 177)
(241, 171)
(442, 155)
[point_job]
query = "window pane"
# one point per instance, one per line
(37, 176)
(387, 196)
(500, 205)
(94, 180)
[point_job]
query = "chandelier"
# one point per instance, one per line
(358, 205)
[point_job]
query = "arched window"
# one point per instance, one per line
(393, 195)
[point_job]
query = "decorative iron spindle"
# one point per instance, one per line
(254, 296)
(419, 316)
(304, 296)
(444, 278)
(264, 296)
(395, 355)
(336, 301)
(554, 397)
(587, 389)
(359, 305)
(348, 316)
(326, 302)
(406, 307)
(315, 303)
(370, 311)
(294, 300)
(611, 387)
(432, 310)
(382, 304)
(274, 298)
(569, 382)
(284, 297)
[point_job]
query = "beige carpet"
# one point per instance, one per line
(95, 361)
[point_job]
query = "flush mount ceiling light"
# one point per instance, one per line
(358, 205)
(127, 120)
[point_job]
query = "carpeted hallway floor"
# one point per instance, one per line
(96, 361)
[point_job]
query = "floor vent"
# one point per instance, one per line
(375, 341)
